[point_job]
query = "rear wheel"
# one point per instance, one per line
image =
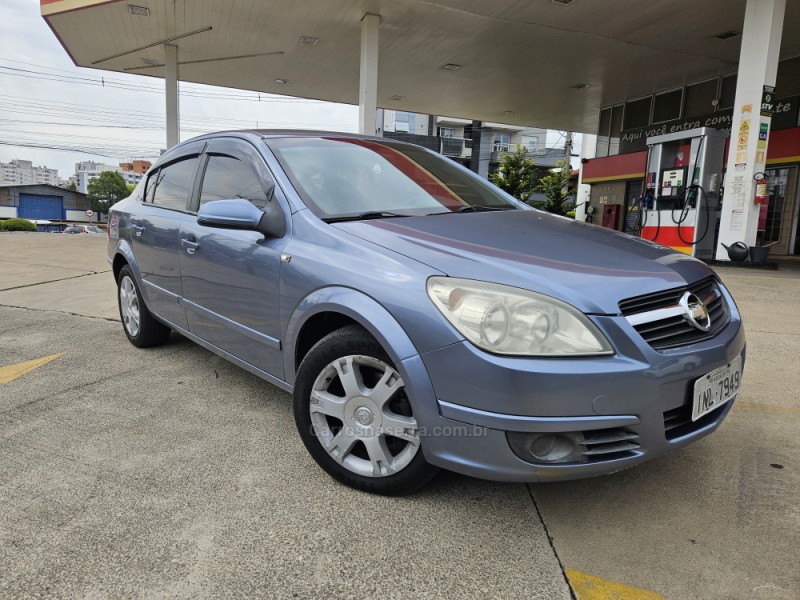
(353, 415)
(140, 326)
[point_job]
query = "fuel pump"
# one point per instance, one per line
(682, 200)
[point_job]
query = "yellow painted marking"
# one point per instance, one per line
(589, 587)
(783, 159)
(613, 177)
(11, 372)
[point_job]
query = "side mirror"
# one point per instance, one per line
(237, 213)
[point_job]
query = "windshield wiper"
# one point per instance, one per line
(377, 214)
(474, 208)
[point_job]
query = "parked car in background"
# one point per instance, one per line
(421, 317)
(88, 229)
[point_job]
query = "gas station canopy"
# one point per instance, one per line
(548, 63)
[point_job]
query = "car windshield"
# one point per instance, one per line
(340, 178)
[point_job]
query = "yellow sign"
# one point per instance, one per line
(744, 127)
(747, 108)
(743, 140)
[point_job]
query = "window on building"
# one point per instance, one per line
(173, 184)
(531, 144)
(727, 93)
(637, 113)
(615, 132)
(404, 121)
(447, 132)
(667, 106)
(502, 142)
(227, 177)
(698, 97)
(602, 133)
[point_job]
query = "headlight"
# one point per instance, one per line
(509, 320)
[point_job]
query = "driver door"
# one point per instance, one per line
(230, 277)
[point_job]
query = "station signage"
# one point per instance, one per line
(784, 116)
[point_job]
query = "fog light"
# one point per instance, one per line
(551, 448)
(547, 447)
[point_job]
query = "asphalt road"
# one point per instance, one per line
(171, 473)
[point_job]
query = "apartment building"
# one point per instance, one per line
(22, 172)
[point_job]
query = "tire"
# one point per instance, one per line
(348, 401)
(142, 329)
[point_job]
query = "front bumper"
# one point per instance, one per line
(474, 399)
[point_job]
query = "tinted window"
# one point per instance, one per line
(637, 113)
(173, 184)
(150, 187)
(699, 98)
(727, 93)
(602, 133)
(667, 106)
(228, 177)
(616, 129)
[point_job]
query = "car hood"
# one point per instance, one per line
(590, 267)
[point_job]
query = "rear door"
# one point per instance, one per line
(231, 277)
(155, 235)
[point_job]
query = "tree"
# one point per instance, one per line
(107, 190)
(516, 174)
(71, 186)
(554, 186)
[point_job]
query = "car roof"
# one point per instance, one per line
(278, 133)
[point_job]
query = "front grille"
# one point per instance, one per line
(678, 421)
(609, 444)
(675, 330)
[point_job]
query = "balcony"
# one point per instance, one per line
(455, 147)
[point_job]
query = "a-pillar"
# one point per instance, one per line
(368, 82)
(173, 103)
(758, 66)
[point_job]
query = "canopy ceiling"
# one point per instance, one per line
(519, 59)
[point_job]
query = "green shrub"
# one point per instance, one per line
(17, 225)
(571, 214)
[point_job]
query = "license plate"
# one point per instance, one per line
(716, 388)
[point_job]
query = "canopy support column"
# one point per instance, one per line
(171, 85)
(368, 83)
(758, 67)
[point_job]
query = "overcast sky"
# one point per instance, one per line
(56, 114)
(47, 101)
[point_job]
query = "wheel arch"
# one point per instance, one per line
(331, 308)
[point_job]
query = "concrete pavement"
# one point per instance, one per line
(721, 518)
(171, 473)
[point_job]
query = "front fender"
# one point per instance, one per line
(356, 305)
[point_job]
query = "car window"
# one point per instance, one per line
(345, 176)
(150, 188)
(174, 183)
(228, 177)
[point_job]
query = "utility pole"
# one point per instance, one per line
(568, 150)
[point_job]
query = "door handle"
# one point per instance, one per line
(190, 245)
(138, 229)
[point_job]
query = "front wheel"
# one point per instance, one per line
(353, 415)
(140, 326)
